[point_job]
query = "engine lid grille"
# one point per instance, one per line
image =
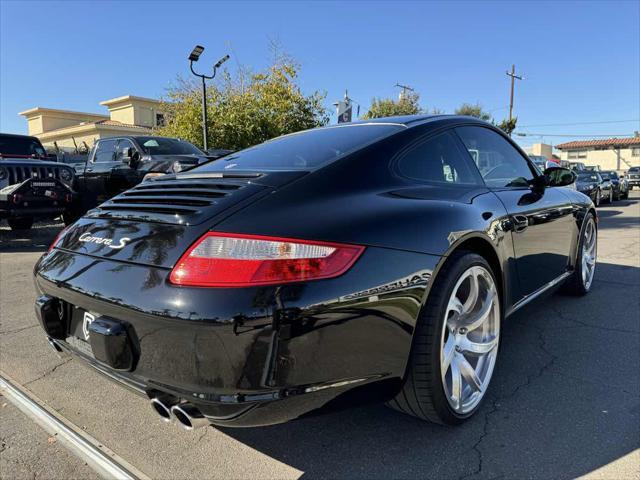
(179, 199)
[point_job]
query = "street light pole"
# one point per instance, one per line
(193, 57)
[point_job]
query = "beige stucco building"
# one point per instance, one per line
(68, 130)
(610, 154)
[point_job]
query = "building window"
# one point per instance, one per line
(635, 152)
(575, 154)
(159, 119)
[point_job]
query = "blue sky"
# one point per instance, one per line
(581, 60)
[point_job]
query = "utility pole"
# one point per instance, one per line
(405, 89)
(513, 76)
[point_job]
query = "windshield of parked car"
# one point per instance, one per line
(303, 150)
(634, 169)
(10, 145)
(588, 177)
(609, 175)
(167, 146)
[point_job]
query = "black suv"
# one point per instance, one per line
(31, 186)
(116, 164)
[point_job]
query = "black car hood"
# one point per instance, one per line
(28, 162)
(156, 221)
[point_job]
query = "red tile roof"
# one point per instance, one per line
(608, 142)
(115, 123)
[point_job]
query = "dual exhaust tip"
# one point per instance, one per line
(187, 415)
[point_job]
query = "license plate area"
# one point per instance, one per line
(78, 334)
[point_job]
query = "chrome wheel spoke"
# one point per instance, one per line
(478, 348)
(456, 384)
(474, 289)
(469, 374)
(448, 352)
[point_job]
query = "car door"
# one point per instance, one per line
(98, 171)
(124, 174)
(541, 223)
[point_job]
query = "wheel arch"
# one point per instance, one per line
(481, 245)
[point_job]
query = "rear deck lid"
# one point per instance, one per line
(156, 221)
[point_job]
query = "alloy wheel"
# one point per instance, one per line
(589, 253)
(610, 196)
(598, 198)
(470, 338)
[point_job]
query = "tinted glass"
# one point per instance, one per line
(166, 146)
(500, 164)
(588, 177)
(438, 160)
(20, 146)
(123, 144)
(105, 151)
(303, 150)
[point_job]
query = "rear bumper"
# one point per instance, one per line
(253, 356)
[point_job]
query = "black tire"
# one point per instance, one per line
(598, 198)
(574, 285)
(21, 223)
(422, 394)
(610, 200)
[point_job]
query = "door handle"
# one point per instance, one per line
(520, 223)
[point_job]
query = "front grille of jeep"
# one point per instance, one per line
(178, 200)
(20, 173)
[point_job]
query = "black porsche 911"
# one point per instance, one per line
(371, 261)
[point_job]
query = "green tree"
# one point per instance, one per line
(388, 107)
(508, 126)
(244, 110)
(473, 111)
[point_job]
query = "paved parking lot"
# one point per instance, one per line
(564, 403)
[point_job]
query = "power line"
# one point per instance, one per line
(580, 123)
(611, 135)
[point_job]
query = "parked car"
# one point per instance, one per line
(592, 168)
(31, 187)
(620, 188)
(373, 260)
(117, 163)
(633, 177)
(595, 187)
(577, 167)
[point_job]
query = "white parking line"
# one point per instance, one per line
(103, 460)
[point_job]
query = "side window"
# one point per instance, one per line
(500, 164)
(123, 145)
(438, 159)
(105, 151)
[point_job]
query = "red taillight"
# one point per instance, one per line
(57, 239)
(237, 260)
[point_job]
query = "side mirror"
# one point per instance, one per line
(560, 177)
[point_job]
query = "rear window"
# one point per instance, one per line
(10, 145)
(303, 150)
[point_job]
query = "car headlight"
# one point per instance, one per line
(66, 174)
(3, 173)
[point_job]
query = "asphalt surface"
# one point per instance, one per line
(564, 400)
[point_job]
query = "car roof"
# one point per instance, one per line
(15, 135)
(415, 120)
